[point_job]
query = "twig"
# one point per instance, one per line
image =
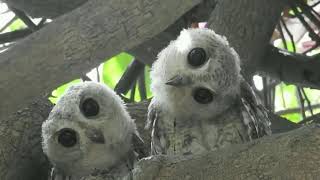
(129, 77)
(41, 23)
(282, 96)
(98, 74)
(295, 110)
(24, 18)
(315, 4)
(307, 100)
(307, 10)
(265, 92)
(142, 86)
(289, 34)
(18, 34)
(133, 92)
(312, 34)
(315, 117)
(85, 78)
(14, 35)
(282, 36)
(301, 100)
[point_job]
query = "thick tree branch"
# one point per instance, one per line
(248, 30)
(291, 67)
(293, 155)
(45, 8)
(147, 52)
(76, 42)
(14, 35)
(129, 77)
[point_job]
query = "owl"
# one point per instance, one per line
(89, 131)
(201, 102)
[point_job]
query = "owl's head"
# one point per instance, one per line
(198, 71)
(87, 129)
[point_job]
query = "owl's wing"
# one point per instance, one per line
(255, 115)
(158, 137)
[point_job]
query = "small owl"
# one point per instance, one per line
(89, 131)
(198, 104)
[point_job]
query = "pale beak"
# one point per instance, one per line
(179, 80)
(95, 135)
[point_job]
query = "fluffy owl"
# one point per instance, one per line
(198, 102)
(89, 131)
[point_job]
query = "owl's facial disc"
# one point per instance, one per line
(67, 137)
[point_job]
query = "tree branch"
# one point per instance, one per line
(291, 67)
(293, 155)
(147, 52)
(76, 42)
(14, 35)
(129, 77)
(26, 20)
(45, 8)
(245, 25)
(295, 110)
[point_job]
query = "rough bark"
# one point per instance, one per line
(21, 156)
(293, 155)
(145, 52)
(248, 25)
(45, 8)
(291, 68)
(78, 41)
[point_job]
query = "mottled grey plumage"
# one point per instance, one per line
(89, 131)
(198, 105)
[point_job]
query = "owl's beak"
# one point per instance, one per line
(95, 135)
(179, 80)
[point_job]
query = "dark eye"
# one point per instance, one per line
(197, 57)
(203, 95)
(89, 107)
(67, 137)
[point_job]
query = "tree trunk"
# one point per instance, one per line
(45, 8)
(248, 26)
(293, 155)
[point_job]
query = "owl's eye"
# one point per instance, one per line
(89, 107)
(67, 137)
(197, 57)
(203, 95)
